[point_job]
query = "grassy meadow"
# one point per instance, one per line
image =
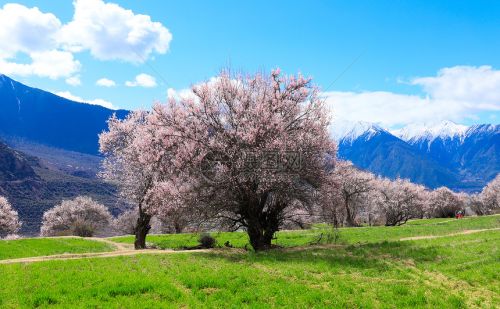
(320, 233)
(368, 267)
(31, 247)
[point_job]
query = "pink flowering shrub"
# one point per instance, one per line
(81, 216)
(9, 220)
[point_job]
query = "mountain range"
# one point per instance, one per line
(463, 158)
(49, 151)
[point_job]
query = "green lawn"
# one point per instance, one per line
(448, 272)
(30, 247)
(346, 235)
(369, 267)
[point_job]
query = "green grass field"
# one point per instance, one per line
(31, 247)
(370, 268)
(346, 235)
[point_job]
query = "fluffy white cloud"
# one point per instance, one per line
(74, 81)
(26, 30)
(105, 82)
(142, 80)
(68, 95)
(178, 94)
(112, 32)
(107, 30)
(32, 32)
(456, 93)
(473, 86)
(53, 64)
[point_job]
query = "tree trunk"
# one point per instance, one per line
(261, 238)
(141, 229)
(349, 215)
(178, 228)
(262, 223)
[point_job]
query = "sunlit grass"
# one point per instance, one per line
(414, 228)
(449, 272)
(31, 247)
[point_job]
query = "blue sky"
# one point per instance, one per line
(414, 61)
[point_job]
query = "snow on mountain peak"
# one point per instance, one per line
(345, 130)
(444, 129)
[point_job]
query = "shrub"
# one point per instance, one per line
(81, 216)
(206, 241)
(9, 220)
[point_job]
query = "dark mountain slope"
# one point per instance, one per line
(33, 186)
(13, 165)
(45, 118)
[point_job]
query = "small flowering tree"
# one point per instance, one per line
(245, 149)
(476, 203)
(347, 188)
(177, 220)
(490, 196)
(9, 220)
(81, 216)
(125, 223)
(445, 203)
(330, 201)
(134, 161)
(399, 200)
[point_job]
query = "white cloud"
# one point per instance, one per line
(26, 30)
(142, 80)
(68, 95)
(105, 82)
(178, 94)
(32, 32)
(74, 81)
(456, 93)
(53, 64)
(473, 86)
(111, 32)
(107, 30)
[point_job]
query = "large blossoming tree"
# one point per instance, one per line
(445, 203)
(491, 196)
(245, 150)
(248, 148)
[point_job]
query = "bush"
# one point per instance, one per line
(81, 216)
(206, 241)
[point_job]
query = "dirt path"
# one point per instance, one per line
(466, 232)
(117, 245)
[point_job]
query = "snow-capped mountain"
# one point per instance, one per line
(443, 130)
(450, 154)
(472, 151)
(343, 130)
